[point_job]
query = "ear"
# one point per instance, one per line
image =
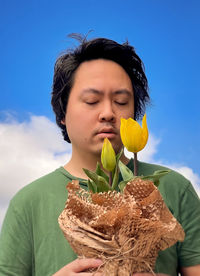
(63, 122)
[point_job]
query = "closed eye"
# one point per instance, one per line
(121, 103)
(92, 103)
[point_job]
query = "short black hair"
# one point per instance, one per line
(99, 48)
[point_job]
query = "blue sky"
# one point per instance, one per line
(164, 33)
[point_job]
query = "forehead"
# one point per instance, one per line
(101, 74)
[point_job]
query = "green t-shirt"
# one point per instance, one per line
(32, 244)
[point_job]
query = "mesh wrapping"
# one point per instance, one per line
(125, 230)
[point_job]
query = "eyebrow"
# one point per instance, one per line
(99, 92)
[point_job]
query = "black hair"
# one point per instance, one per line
(99, 48)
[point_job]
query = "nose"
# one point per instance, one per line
(107, 114)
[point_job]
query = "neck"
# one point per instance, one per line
(85, 160)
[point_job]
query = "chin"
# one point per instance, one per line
(117, 148)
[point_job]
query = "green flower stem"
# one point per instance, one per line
(110, 179)
(135, 164)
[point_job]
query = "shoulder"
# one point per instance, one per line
(43, 198)
(50, 183)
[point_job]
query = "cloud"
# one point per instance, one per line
(28, 150)
(32, 148)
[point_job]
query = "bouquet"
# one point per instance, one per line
(125, 224)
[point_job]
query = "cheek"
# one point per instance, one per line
(71, 123)
(78, 125)
(129, 113)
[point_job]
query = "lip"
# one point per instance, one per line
(107, 132)
(106, 135)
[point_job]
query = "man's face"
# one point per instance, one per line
(102, 93)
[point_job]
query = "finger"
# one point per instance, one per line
(82, 264)
(143, 274)
(148, 274)
(92, 274)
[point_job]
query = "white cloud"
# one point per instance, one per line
(28, 150)
(35, 147)
(3, 209)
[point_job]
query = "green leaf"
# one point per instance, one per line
(125, 171)
(118, 156)
(92, 186)
(115, 179)
(100, 172)
(122, 184)
(102, 184)
(156, 176)
(115, 174)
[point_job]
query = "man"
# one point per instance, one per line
(94, 86)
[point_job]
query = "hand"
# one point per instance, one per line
(148, 274)
(78, 267)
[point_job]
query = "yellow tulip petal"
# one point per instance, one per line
(144, 127)
(134, 133)
(108, 158)
(145, 133)
(123, 131)
(134, 137)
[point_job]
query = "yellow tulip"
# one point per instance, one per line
(134, 137)
(108, 158)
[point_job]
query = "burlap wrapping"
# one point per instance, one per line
(125, 230)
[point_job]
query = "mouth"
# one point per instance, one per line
(107, 133)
